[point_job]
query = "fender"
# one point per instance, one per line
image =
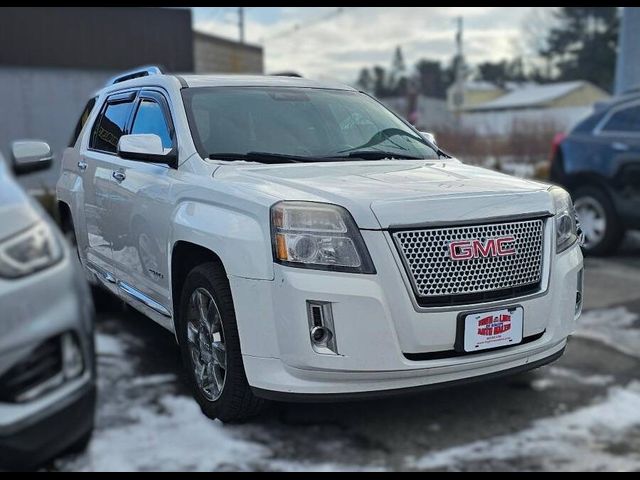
(241, 240)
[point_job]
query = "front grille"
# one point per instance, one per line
(438, 280)
(43, 364)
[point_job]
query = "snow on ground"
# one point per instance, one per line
(573, 441)
(108, 345)
(615, 327)
(174, 435)
(146, 422)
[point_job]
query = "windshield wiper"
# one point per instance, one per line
(379, 155)
(260, 157)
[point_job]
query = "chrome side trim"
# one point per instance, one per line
(139, 296)
(104, 275)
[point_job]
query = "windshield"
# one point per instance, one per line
(297, 124)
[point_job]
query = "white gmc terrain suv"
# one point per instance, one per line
(305, 243)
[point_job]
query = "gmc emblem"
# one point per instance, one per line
(494, 247)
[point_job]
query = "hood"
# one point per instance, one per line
(387, 194)
(17, 212)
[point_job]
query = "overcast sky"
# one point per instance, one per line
(339, 45)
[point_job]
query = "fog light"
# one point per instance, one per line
(321, 327)
(320, 335)
(72, 361)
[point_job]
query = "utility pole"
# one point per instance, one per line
(460, 70)
(241, 23)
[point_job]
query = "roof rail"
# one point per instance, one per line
(137, 73)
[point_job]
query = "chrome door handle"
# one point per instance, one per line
(119, 176)
(82, 166)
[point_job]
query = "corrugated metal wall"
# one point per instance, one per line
(109, 38)
(44, 104)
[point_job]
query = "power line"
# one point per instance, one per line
(297, 27)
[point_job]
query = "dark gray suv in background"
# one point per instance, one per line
(599, 163)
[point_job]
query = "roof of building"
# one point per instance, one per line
(530, 96)
(481, 86)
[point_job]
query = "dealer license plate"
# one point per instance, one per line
(493, 329)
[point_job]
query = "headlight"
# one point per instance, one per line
(319, 236)
(29, 252)
(565, 219)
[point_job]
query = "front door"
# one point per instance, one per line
(142, 207)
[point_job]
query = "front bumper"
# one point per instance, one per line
(36, 309)
(51, 431)
(378, 325)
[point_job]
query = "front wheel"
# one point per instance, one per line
(210, 347)
(603, 231)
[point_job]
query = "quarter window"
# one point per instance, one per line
(83, 119)
(151, 119)
(626, 120)
(111, 126)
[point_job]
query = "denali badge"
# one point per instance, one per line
(494, 247)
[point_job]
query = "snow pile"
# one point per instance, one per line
(175, 436)
(615, 327)
(574, 441)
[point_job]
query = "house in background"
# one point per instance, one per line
(559, 105)
(474, 93)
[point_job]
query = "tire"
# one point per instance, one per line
(232, 401)
(599, 221)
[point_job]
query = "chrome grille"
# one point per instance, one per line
(435, 275)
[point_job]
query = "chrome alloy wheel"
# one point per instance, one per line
(205, 333)
(593, 220)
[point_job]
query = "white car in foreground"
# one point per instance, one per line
(306, 244)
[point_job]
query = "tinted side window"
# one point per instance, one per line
(150, 119)
(111, 126)
(627, 120)
(82, 120)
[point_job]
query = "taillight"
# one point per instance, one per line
(557, 140)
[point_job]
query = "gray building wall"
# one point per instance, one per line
(219, 55)
(44, 104)
(95, 38)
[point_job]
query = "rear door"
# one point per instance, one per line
(143, 210)
(98, 161)
(620, 132)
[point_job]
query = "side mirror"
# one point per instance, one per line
(430, 137)
(30, 156)
(145, 148)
